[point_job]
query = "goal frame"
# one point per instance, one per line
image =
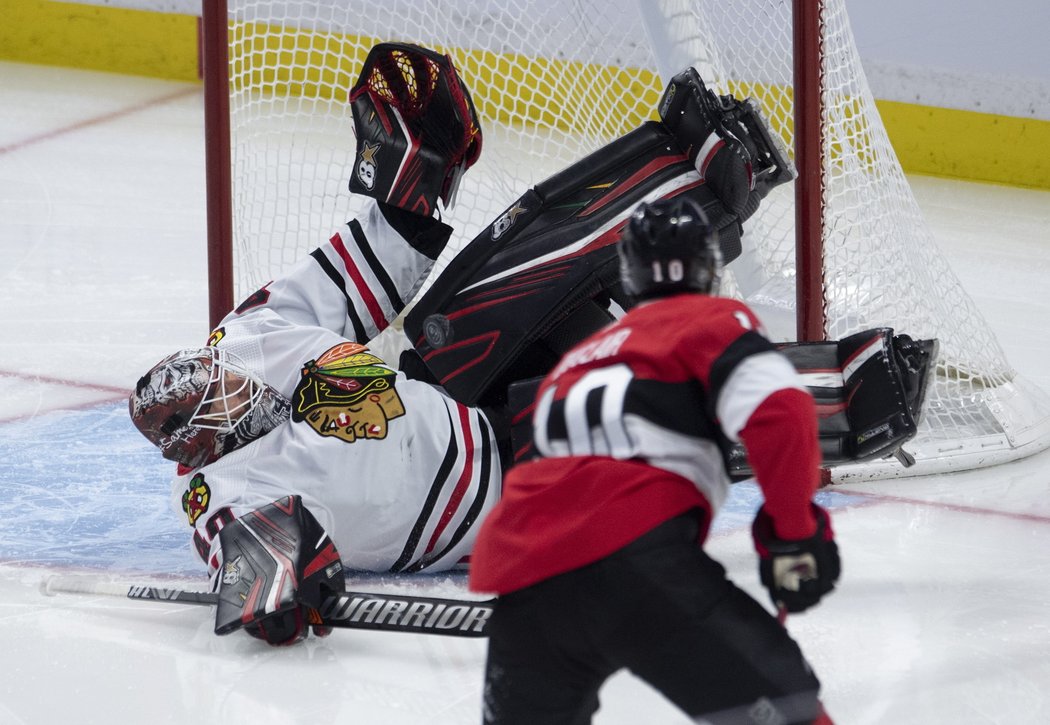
(808, 142)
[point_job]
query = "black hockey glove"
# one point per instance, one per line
(797, 573)
(279, 565)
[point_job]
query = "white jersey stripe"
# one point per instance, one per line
(823, 379)
(753, 380)
(457, 493)
(484, 460)
(361, 278)
(421, 531)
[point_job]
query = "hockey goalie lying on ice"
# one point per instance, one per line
(285, 412)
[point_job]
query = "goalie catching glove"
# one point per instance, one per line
(797, 573)
(278, 567)
(416, 127)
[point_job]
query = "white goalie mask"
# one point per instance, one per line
(199, 404)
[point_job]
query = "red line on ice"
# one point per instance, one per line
(47, 135)
(948, 506)
(113, 394)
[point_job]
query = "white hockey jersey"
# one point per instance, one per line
(398, 473)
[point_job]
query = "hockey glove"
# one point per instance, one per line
(279, 565)
(796, 573)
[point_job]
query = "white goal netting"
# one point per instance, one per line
(553, 81)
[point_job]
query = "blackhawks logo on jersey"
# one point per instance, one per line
(195, 498)
(347, 393)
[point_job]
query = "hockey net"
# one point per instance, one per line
(553, 81)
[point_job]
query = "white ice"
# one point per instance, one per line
(942, 616)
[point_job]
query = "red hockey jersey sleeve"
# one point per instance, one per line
(781, 442)
(761, 402)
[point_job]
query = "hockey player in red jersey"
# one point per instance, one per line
(596, 548)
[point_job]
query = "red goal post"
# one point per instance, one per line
(843, 249)
(217, 158)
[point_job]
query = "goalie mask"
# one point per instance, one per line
(417, 130)
(669, 247)
(198, 405)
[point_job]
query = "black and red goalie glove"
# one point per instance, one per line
(278, 567)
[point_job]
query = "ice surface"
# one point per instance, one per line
(941, 615)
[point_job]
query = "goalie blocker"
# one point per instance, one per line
(279, 566)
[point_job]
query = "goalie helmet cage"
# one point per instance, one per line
(553, 81)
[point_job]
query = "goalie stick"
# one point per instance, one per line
(350, 610)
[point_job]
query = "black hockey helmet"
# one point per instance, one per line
(416, 126)
(667, 247)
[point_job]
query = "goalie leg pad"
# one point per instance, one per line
(883, 402)
(868, 406)
(555, 247)
(522, 402)
(551, 252)
(869, 389)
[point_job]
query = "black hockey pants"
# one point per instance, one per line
(664, 610)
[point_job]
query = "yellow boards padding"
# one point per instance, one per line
(95, 37)
(969, 145)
